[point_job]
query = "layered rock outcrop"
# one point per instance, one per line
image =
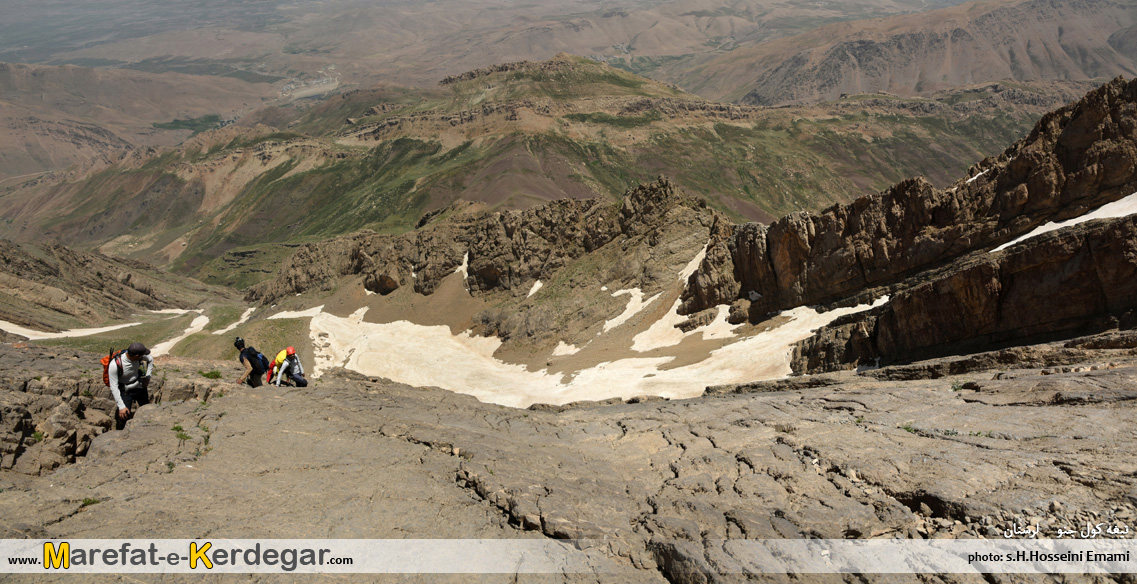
(1078, 280)
(1076, 159)
(658, 485)
(53, 404)
(501, 250)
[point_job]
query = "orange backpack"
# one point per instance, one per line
(106, 361)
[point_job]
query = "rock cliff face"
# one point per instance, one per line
(502, 250)
(1076, 159)
(1077, 281)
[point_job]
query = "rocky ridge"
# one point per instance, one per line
(503, 251)
(1076, 159)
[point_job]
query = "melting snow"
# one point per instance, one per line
(35, 335)
(311, 312)
(464, 269)
(972, 179)
(410, 353)
(244, 318)
(720, 328)
(1120, 208)
(536, 286)
(199, 323)
(636, 303)
(564, 349)
(662, 333)
(685, 273)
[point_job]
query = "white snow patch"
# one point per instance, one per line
(536, 286)
(564, 349)
(662, 333)
(464, 269)
(244, 318)
(311, 312)
(410, 353)
(636, 303)
(195, 327)
(178, 311)
(1120, 208)
(35, 335)
(603, 288)
(972, 179)
(720, 328)
(693, 265)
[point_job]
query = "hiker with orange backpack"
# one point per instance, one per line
(128, 375)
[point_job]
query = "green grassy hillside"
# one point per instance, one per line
(230, 204)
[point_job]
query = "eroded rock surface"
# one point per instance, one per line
(1076, 159)
(849, 456)
(502, 250)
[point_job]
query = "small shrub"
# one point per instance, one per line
(957, 386)
(214, 374)
(37, 436)
(908, 428)
(169, 467)
(87, 393)
(177, 428)
(90, 501)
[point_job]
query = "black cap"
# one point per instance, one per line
(137, 349)
(239, 343)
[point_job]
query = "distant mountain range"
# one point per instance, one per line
(918, 54)
(225, 205)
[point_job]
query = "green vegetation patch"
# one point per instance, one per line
(223, 315)
(197, 125)
(268, 336)
(625, 122)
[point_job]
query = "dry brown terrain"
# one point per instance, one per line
(53, 117)
(922, 53)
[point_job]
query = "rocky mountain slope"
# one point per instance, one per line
(226, 205)
(917, 54)
(929, 248)
(990, 432)
(53, 287)
(661, 483)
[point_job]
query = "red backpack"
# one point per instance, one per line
(106, 361)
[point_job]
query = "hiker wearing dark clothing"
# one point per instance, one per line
(250, 358)
(129, 380)
(290, 370)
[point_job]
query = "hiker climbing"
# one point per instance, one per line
(256, 364)
(128, 375)
(288, 369)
